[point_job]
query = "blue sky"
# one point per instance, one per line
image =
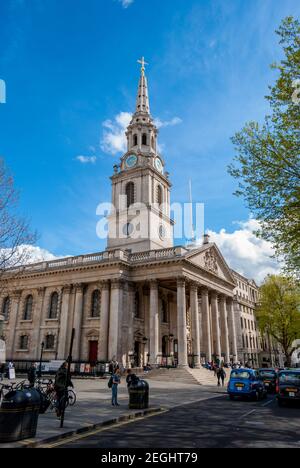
(69, 66)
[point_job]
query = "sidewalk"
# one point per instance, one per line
(93, 408)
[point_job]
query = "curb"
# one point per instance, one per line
(90, 428)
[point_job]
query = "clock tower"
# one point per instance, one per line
(140, 218)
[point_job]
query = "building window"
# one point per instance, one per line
(135, 140)
(50, 341)
(243, 341)
(5, 308)
(164, 311)
(159, 195)
(53, 309)
(247, 341)
(144, 139)
(96, 303)
(137, 305)
(242, 323)
(129, 191)
(23, 345)
(28, 308)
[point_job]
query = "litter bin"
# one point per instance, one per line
(139, 395)
(19, 414)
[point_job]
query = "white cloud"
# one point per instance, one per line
(245, 253)
(167, 123)
(26, 254)
(86, 159)
(126, 3)
(114, 139)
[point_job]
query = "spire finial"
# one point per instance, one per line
(143, 63)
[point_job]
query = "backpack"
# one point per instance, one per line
(110, 382)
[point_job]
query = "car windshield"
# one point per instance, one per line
(289, 377)
(240, 375)
(266, 373)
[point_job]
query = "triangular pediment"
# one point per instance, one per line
(209, 257)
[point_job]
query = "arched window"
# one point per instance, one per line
(5, 308)
(130, 194)
(28, 308)
(53, 308)
(135, 140)
(23, 345)
(144, 139)
(50, 341)
(96, 303)
(159, 195)
(137, 305)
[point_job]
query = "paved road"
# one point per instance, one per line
(217, 422)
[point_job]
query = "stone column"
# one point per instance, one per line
(77, 323)
(104, 322)
(115, 317)
(224, 329)
(181, 324)
(62, 350)
(13, 319)
(37, 323)
(129, 325)
(216, 325)
(195, 324)
(206, 323)
(232, 329)
(154, 322)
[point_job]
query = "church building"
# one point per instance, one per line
(144, 299)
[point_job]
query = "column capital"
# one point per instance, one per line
(104, 285)
(229, 301)
(194, 286)
(222, 298)
(204, 291)
(16, 294)
(214, 295)
(153, 284)
(41, 290)
(117, 283)
(67, 288)
(181, 281)
(78, 287)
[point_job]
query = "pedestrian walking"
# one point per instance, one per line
(2, 371)
(221, 375)
(31, 375)
(116, 380)
(61, 384)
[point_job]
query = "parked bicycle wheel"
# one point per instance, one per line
(71, 397)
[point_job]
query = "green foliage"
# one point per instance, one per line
(267, 161)
(279, 311)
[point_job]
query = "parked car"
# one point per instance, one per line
(269, 378)
(288, 386)
(246, 383)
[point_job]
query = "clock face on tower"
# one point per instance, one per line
(131, 161)
(158, 165)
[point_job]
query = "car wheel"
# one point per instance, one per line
(280, 403)
(231, 397)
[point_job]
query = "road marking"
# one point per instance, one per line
(76, 437)
(256, 409)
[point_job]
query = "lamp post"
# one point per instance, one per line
(41, 358)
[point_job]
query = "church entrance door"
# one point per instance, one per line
(137, 354)
(93, 351)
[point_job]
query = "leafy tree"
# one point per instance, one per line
(267, 161)
(278, 312)
(15, 235)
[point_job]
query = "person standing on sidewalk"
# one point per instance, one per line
(31, 376)
(116, 380)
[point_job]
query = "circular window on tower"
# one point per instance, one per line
(162, 232)
(128, 229)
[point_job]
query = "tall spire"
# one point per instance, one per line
(142, 102)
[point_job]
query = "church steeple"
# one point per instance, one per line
(142, 101)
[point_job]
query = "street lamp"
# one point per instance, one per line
(41, 358)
